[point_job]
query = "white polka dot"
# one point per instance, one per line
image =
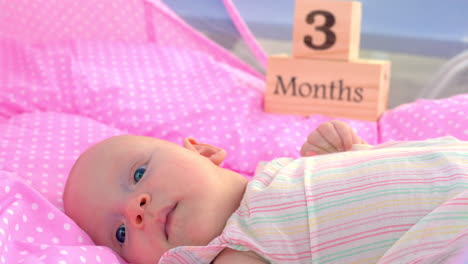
(34, 206)
(7, 189)
(98, 258)
(39, 229)
(63, 252)
(50, 216)
(66, 226)
(55, 240)
(83, 259)
(25, 218)
(30, 239)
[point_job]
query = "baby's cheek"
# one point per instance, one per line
(142, 248)
(199, 236)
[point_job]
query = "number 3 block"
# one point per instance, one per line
(327, 29)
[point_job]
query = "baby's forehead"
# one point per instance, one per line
(118, 147)
(89, 166)
(124, 143)
(114, 153)
(96, 167)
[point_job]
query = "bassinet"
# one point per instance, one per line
(75, 72)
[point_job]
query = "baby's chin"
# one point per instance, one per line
(190, 238)
(195, 234)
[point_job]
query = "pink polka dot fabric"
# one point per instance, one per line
(426, 119)
(36, 152)
(159, 91)
(72, 75)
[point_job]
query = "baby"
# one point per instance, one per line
(153, 201)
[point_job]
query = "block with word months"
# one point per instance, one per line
(350, 89)
(327, 29)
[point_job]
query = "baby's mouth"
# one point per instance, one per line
(168, 222)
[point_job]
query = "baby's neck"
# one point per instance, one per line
(231, 195)
(238, 185)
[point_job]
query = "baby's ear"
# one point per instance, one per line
(215, 154)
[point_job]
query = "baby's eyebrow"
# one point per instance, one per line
(125, 176)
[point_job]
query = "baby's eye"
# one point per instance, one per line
(139, 173)
(120, 234)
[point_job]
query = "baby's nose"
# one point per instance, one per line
(136, 209)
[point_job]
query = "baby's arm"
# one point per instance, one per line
(231, 256)
(330, 137)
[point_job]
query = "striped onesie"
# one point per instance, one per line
(400, 202)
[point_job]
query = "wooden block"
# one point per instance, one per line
(327, 29)
(356, 89)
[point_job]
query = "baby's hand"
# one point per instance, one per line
(329, 137)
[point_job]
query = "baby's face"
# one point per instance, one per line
(142, 196)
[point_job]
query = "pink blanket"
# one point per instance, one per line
(137, 69)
